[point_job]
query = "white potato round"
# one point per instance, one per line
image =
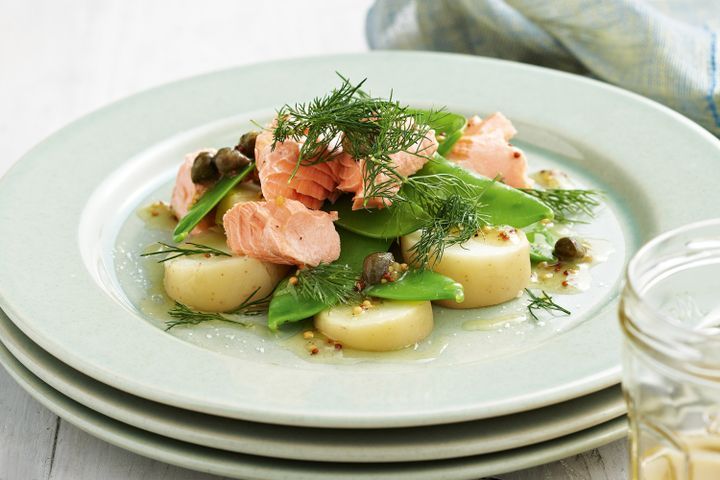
(493, 267)
(387, 325)
(219, 283)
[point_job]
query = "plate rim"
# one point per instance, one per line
(563, 391)
(244, 466)
(370, 446)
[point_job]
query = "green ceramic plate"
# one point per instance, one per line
(69, 239)
(250, 467)
(318, 444)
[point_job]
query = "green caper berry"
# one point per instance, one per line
(228, 160)
(203, 169)
(246, 145)
(375, 266)
(568, 248)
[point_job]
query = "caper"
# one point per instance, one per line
(375, 266)
(229, 160)
(568, 248)
(203, 169)
(246, 145)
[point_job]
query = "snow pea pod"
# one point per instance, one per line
(440, 120)
(538, 254)
(450, 140)
(418, 285)
(287, 305)
(448, 124)
(391, 222)
(542, 243)
(504, 205)
(540, 250)
(207, 202)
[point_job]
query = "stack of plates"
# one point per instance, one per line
(80, 333)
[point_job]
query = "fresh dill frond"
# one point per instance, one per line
(319, 123)
(349, 120)
(452, 222)
(184, 315)
(453, 214)
(568, 204)
(183, 251)
(328, 283)
(543, 302)
(250, 307)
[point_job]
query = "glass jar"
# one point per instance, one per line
(670, 316)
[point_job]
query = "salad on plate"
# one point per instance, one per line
(359, 213)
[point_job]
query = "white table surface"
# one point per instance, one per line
(62, 59)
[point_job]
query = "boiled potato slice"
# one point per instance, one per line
(493, 267)
(219, 283)
(387, 325)
(245, 192)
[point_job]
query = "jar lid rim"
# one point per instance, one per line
(665, 325)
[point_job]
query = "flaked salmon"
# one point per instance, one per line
(404, 163)
(186, 192)
(282, 231)
(484, 148)
(311, 185)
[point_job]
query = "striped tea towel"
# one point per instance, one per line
(666, 50)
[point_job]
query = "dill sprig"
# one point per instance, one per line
(568, 204)
(349, 120)
(319, 123)
(184, 315)
(328, 283)
(183, 251)
(543, 302)
(453, 214)
(250, 307)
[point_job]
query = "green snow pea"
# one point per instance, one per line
(287, 305)
(450, 140)
(504, 205)
(418, 285)
(391, 222)
(542, 242)
(441, 121)
(539, 252)
(451, 125)
(207, 202)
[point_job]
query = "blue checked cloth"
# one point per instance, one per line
(666, 50)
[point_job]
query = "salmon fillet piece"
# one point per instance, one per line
(282, 231)
(404, 163)
(186, 193)
(348, 173)
(484, 149)
(311, 185)
(496, 121)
